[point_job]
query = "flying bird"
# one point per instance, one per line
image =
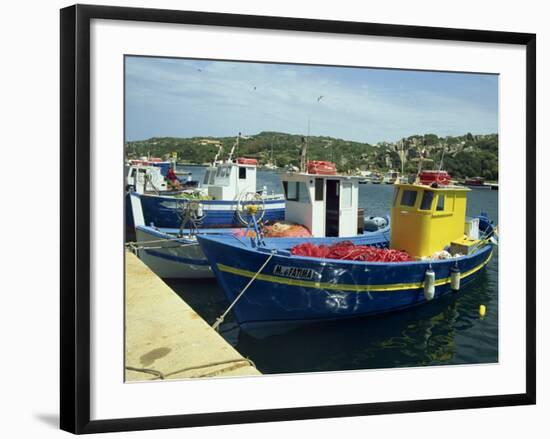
(199, 70)
(254, 87)
(319, 98)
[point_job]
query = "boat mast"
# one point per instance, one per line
(305, 141)
(220, 149)
(303, 155)
(235, 146)
(442, 155)
(402, 156)
(422, 152)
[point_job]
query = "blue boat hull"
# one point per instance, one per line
(162, 211)
(292, 288)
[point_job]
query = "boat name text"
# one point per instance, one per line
(295, 272)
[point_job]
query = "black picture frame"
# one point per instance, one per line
(75, 217)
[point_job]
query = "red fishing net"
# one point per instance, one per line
(349, 251)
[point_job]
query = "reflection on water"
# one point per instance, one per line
(447, 331)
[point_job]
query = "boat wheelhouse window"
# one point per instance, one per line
(408, 198)
(296, 191)
(212, 177)
(346, 195)
(303, 192)
(427, 199)
(292, 191)
(319, 186)
(133, 173)
(219, 172)
(225, 172)
(440, 203)
(395, 192)
(206, 176)
(242, 173)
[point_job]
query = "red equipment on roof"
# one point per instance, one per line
(246, 161)
(440, 177)
(321, 167)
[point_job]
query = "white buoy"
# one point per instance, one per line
(455, 279)
(429, 284)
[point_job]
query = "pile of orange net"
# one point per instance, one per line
(348, 251)
(280, 229)
(286, 230)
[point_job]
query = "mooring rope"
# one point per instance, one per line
(150, 371)
(221, 318)
(162, 376)
(248, 361)
(135, 246)
(154, 241)
(142, 247)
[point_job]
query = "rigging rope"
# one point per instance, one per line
(149, 179)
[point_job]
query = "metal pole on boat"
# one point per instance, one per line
(220, 150)
(233, 148)
(303, 155)
(402, 156)
(442, 155)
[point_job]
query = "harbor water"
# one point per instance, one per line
(449, 331)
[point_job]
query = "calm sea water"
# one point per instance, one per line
(444, 332)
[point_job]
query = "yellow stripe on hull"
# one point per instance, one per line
(345, 287)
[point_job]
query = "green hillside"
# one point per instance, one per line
(463, 156)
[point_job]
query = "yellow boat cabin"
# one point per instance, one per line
(426, 219)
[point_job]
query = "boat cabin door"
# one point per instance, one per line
(332, 213)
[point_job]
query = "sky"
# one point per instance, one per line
(169, 97)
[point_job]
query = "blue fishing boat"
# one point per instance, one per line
(175, 253)
(265, 281)
(151, 175)
(226, 186)
(165, 210)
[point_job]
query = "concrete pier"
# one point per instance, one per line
(166, 338)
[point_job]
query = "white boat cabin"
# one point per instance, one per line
(391, 177)
(226, 181)
(326, 204)
(146, 178)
